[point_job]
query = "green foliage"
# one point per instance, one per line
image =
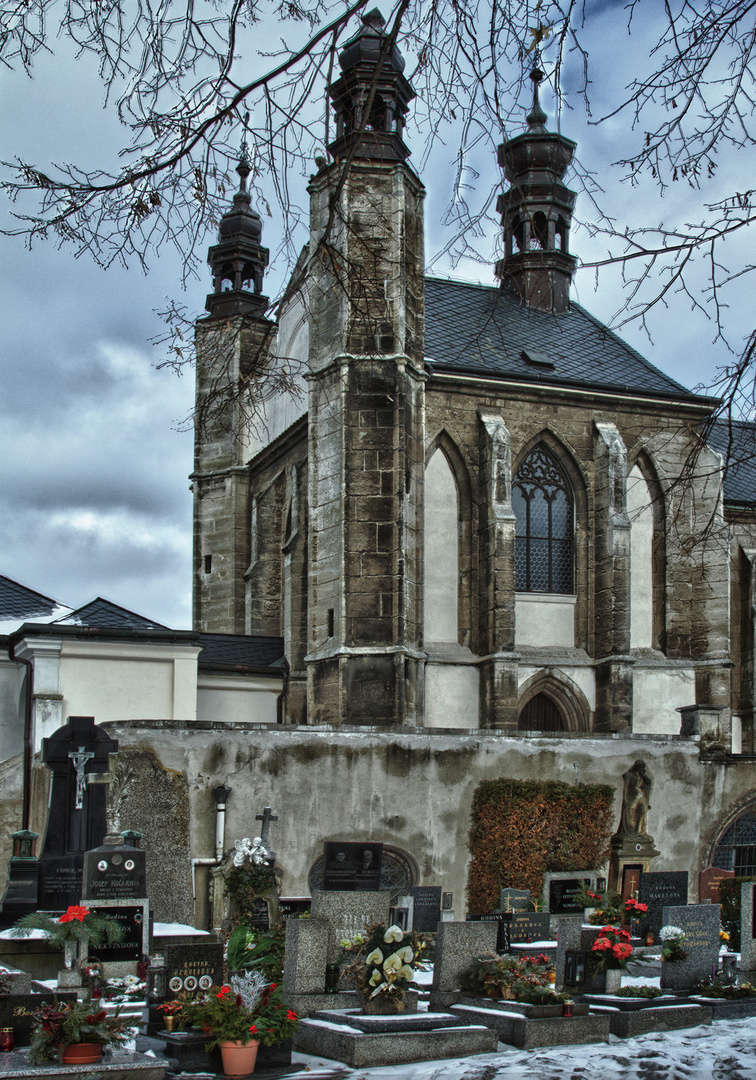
(639, 992)
(78, 924)
(522, 828)
(228, 1017)
(514, 978)
(70, 1023)
(729, 898)
(257, 950)
(245, 884)
(719, 989)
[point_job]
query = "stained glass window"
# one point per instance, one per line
(543, 506)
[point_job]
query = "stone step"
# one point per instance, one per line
(517, 1030)
(626, 1025)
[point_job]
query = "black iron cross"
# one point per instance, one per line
(266, 817)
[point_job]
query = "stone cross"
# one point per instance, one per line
(72, 754)
(266, 817)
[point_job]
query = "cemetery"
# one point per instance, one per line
(357, 975)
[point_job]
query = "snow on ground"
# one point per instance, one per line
(724, 1051)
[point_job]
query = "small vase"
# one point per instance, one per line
(613, 980)
(81, 1053)
(7, 1040)
(238, 1058)
(169, 1021)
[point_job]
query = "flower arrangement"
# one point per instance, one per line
(247, 1008)
(673, 939)
(125, 988)
(720, 989)
(383, 964)
(609, 907)
(642, 991)
(71, 1022)
(76, 926)
(259, 950)
(612, 949)
(513, 978)
(170, 1008)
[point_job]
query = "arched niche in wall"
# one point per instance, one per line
(551, 701)
(646, 511)
(447, 584)
(399, 872)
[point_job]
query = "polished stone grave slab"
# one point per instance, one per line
(526, 1034)
(726, 1008)
(625, 1004)
(121, 1065)
(626, 1025)
(388, 1040)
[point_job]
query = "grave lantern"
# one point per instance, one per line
(574, 967)
(24, 844)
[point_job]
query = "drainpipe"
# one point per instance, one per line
(221, 797)
(28, 733)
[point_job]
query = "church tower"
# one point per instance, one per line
(232, 347)
(366, 400)
(536, 213)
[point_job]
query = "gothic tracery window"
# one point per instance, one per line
(543, 505)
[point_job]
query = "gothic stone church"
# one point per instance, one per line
(463, 549)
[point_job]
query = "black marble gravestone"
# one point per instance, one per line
(192, 969)
(76, 818)
(562, 893)
(114, 872)
(529, 926)
(660, 890)
(426, 909)
(351, 867)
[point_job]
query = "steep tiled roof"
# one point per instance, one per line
(100, 612)
(18, 602)
(485, 330)
(736, 442)
(238, 651)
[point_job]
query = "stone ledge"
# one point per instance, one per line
(626, 1025)
(525, 1034)
(121, 1065)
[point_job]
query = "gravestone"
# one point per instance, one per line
(748, 928)
(631, 873)
(192, 969)
(17, 1012)
(350, 867)
(515, 900)
(660, 890)
(527, 926)
(700, 924)
(560, 890)
(457, 945)
(347, 914)
(76, 819)
(426, 913)
(708, 884)
(502, 920)
(293, 907)
(122, 957)
(114, 871)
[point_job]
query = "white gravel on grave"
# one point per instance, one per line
(724, 1051)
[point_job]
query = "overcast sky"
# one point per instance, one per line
(95, 499)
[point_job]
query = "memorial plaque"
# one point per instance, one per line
(661, 890)
(60, 881)
(527, 926)
(17, 1010)
(708, 884)
(562, 895)
(192, 969)
(114, 872)
(349, 867)
(427, 908)
(258, 916)
(700, 924)
(135, 919)
(630, 879)
(292, 907)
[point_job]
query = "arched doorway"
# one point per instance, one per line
(541, 714)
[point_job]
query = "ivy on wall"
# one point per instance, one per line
(522, 828)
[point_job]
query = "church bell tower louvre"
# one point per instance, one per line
(536, 213)
(366, 400)
(232, 344)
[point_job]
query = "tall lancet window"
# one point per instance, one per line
(441, 551)
(543, 505)
(640, 511)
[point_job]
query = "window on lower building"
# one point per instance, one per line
(543, 505)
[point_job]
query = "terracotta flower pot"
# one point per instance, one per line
(239, 1058)
(81, 1053)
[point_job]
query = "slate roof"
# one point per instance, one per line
(736, 441)
(18, 602)
(105, 613)
(237, 651)
(483, 330)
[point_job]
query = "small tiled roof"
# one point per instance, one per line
(105, 613)
(736, 442)
(18, 602)
(240, 651)
(485, 330)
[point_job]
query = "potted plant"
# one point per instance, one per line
(71, 1033)
(611, 951)
(382, 967)
(72, 933)
(171, 1011)
(241, 1015)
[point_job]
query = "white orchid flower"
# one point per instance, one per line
(376, 957)
(394, 933)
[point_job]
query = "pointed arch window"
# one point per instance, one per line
(544, 510)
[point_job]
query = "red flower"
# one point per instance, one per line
(291, 1015)
(272, 986)
(622, 951)
(601, 944)
(253, 1029)
(223, 992)
(75, 911)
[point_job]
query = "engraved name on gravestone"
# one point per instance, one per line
(709, 881)
(192, 969)
(660, 890)
(502, 920)
(529, 926)
(135, 922)
(426, 913)
(114, 872)
(562, 893)
(17, 1012)
(350, 867)
(700, 924)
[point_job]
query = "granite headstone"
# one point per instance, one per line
(660, 890)
(561, 889)
(427, 908)
(515, 900)
(192, 969)
(114, 872)
(748, 926)
(502, 920)
(294, 907)
(527, 926)
(17, 1012)
(134, 917)
(700, 924)
(708, 884)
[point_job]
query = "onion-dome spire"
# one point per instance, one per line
(536, 212)
(376, 135)
(238, 260)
